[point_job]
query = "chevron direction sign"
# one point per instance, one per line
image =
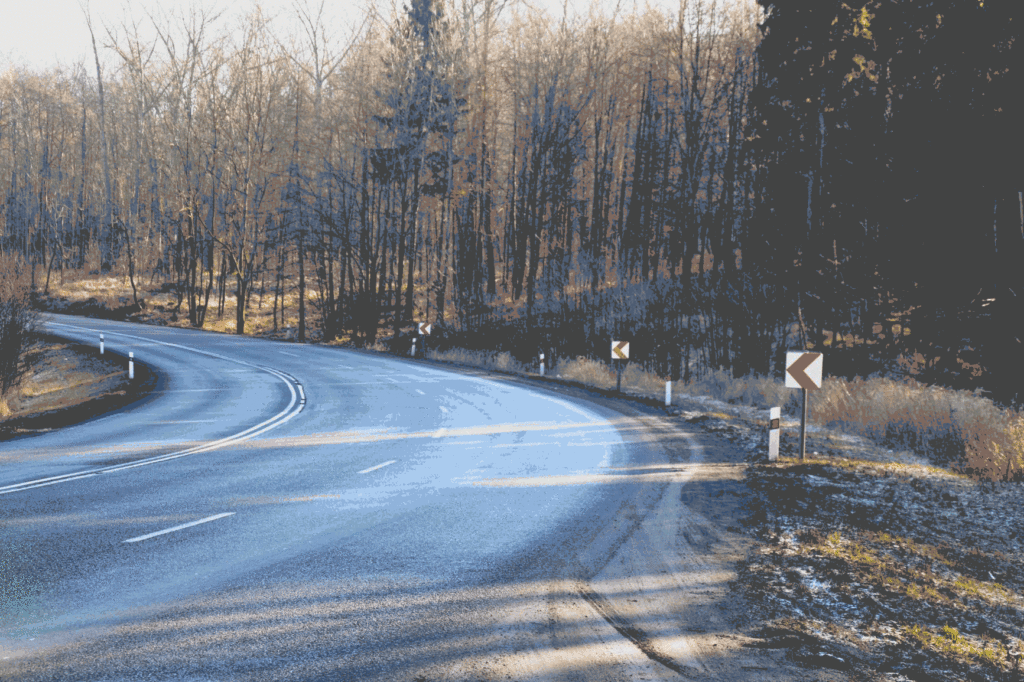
(803, 370)
(620, 350)
(423, 328)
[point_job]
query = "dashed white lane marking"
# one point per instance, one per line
(282, 352)
(420, 392)
(186, 421)
(379, 466)
(181, 527)
(440, 433)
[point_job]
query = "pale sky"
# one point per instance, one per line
(43, 33)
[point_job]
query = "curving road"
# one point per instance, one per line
(275, 511)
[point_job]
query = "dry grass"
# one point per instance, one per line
(956, 428)
(61, 378)
(588, 372)
(501, 362)
(753, 390)
(113, 291)
(961, 428)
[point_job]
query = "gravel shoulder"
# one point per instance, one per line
(659, 593)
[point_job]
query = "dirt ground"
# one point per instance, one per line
(68, 383)
(873, 562)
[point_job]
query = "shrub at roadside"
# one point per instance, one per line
(16, 323)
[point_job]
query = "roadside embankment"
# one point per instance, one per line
(67, 383)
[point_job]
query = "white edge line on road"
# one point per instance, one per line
(282, 352)
(181, 527)
(298, 401)
(379, 466)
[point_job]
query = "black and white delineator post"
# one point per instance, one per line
(803, 370)
(668, 393)
(131, 365)
(412, 350)
(542, 364)
(774, 424)
(101, 344)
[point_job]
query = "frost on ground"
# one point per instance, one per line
(875, 563)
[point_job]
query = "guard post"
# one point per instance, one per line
(774, 423)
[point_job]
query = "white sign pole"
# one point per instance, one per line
(101, 344)
(542, 364)
(668, 393)
(131, 365)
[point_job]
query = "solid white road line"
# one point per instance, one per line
(181, 527)
(190, 390)
(298, 402)
(287, 353)
(379, 466)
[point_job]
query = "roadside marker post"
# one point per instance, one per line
(668, 393)
(542, 364)
(620, 354)
(803, 371)
(131, 365)
(412, 351)
(101, 344)
(774, 424)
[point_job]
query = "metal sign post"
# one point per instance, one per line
(620, 354)
(803, 370)
(423, 329)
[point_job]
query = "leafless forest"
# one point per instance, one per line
(715, 186)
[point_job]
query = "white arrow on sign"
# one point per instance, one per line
(803, 370)
(424, 328)
(620, 350)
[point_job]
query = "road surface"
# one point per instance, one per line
(277, 511)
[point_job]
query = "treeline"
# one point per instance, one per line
(716, 186)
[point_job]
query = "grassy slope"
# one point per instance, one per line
(68, 383)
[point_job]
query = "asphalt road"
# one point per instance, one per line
(280, 511)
